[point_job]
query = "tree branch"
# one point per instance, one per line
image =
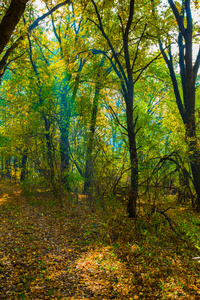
(126, 47)
(181, 62)
(10, 20)
(175, 84)
(100, 26)
(145, 67)
(39, 19)
(137, 50)
(117, 119)
(178, 17)
(31, 28)
(196, 65)
(124, 90)
(130, 18)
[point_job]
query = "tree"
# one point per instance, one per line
(69, 82)
(125, 59)
(185, 93)
(89, 160)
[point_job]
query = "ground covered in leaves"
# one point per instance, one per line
(48, 252)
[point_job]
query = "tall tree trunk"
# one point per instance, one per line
(194, 155)
(15, 168)
(65, 155)
(132, 203)
(8, 168)
(23, 166)
(67, 107)
(50, 171)
(89, 163)
(2, 168)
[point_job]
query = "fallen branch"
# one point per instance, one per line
(169, 220)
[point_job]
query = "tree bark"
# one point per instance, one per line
(89, 163)
(10, 20)
(194, 155)
(23, 166)
(65, 155)
(132, 203)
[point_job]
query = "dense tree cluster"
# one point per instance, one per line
(101, 97)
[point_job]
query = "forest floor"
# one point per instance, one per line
(48, 252)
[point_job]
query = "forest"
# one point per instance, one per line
(99, 149)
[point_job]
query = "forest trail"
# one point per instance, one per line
(39, 245)
(51, 253)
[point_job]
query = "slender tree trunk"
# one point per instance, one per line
(89, 163)
(23, 166)
(50, 172)
(2, 168)
(65, 155)
(67, 106)
(7, 169)
(15, 169)
(57, 190)
(194, 155)
(66, 109)
(132, 203)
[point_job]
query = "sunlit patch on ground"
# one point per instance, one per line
(104, 274)
(4, 198)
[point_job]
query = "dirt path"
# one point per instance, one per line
(39, 246)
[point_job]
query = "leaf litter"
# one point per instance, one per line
(70, 253)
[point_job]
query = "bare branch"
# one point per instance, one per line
(138, 44)
(145, 67)
(117, 119)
